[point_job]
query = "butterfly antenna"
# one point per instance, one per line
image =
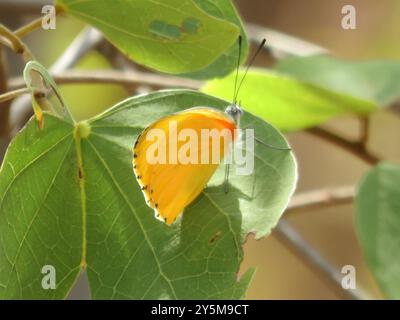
(237, 67)
(248, 67)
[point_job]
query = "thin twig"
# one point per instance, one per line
(321, 198)
(12, 94)
(364, 131)
(22, 6)
(283, 44)
(85, 41)
(6, 43)
(34, 25)
(356, 148)
(115, 77)
(17, 44)
(4, 107)
(26, 29)
(311, 256)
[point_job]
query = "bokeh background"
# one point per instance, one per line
(281, 274)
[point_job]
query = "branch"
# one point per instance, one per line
(282, 44)
(364, 131)
(12, 94)
(24, 30)
(321, 198)
(16, 43)
(22, 6)
(115, 77)
(21, 108)
(4, 107)
(290, 237)
(357, 148)
(85, 41)
(33, 25)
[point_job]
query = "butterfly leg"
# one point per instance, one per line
(268, 145)
(226, 178)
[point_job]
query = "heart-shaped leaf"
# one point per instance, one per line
(69, 199)
(173, 36)
(378, 225)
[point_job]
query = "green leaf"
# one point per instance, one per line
(223, 9)
(378, 225)
(287, 103)
(69, 199)
(174, 36)
(40, 215)
(377, 80)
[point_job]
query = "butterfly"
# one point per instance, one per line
(169, 186)
(170, 173)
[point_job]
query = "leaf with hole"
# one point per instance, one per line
(173, 36)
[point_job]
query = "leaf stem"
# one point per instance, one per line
(12, 94)
(78, 135)
(290, 237)
(34, 25)
(31, 26)
(4, 107)
(22, 108)
(357, 148)
(321, 198)
(116, 77)
(16, 44)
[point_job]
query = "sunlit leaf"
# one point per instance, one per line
(287, 103)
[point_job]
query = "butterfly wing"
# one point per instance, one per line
(170, 185)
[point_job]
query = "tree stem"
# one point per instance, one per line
(31, 26)
(307, 253)
(4, 107)
(34, 25)
(11, 95)
(16, 43)
(358, 149)
(116, 77)
(321, 198)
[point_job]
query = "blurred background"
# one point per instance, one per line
(281, 273)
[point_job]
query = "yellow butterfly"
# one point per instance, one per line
(172, 180)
